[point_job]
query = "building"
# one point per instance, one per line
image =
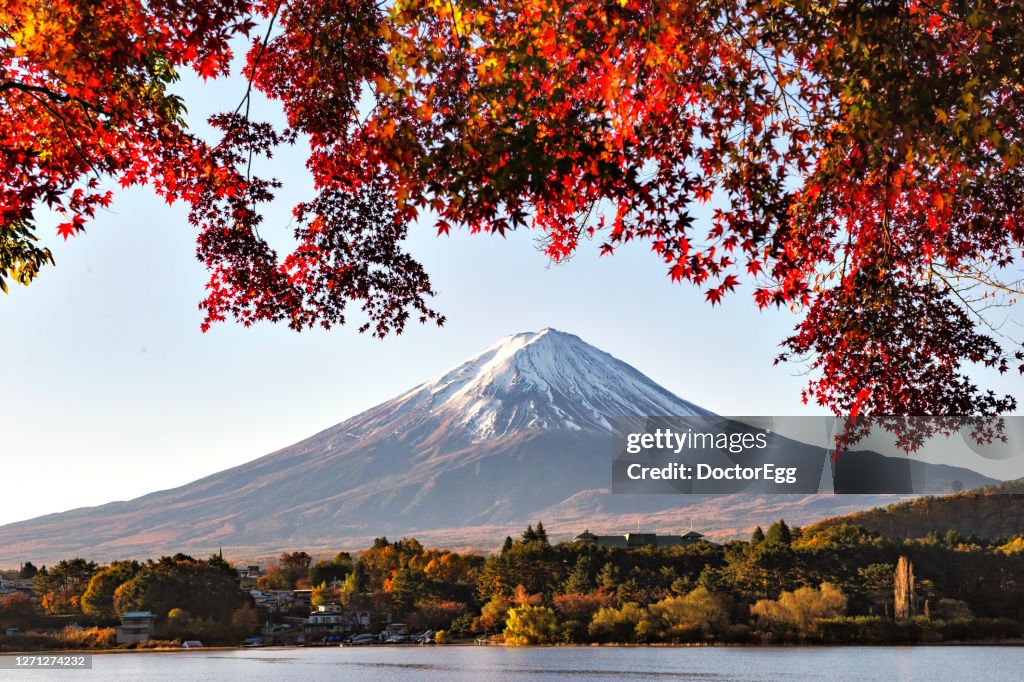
(637, 540)
(136, 626)
(248, 576)
(333, 619)
(20, 585)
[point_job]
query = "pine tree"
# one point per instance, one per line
(579, 581)
(505, 548)
(779, 534)
(609, 576)
(529, 535)
(542, 535)
(757, 537)
(709, 579)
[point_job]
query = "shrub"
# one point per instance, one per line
(89, 638)
(695, 616)
(800, 609)
(618, 625)
(493, 615)
(435, 615)
(531, 625)
(16, 606)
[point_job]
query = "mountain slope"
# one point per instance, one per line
(991, 512)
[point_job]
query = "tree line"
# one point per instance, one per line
(824, 584)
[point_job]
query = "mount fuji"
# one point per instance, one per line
(517, 433)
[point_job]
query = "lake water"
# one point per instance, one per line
(481, 664)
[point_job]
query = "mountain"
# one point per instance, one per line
(991, 512)
(516, 433)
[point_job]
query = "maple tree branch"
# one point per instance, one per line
(71, 138)
(255, 62)
(968, 303)
(63, 98)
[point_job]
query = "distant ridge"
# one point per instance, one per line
(991, 512)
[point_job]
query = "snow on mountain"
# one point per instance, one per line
(535, 380)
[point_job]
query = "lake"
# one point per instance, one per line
(479, 664)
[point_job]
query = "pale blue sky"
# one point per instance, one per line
(110, 390)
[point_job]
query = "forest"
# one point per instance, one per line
(827, 584)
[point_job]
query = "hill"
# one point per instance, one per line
(991, 512)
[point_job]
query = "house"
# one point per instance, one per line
(275, 600)
(302, 598)
(330, 619)
(248, 576)
(136, 626)
(637, 540)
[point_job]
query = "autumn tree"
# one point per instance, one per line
(274, 579)
(15, 606)
(294, 567)
(531, 625)
(801, 608)
(205, 589)
(695, 615)
(493, 614)
(858, 163)
(903, 589)
(436, 615)
(60, 587)
(618, 624)
(98, 598)
(329, 571)
(323, 593)
(355, 582)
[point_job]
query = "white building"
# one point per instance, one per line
(334, 619)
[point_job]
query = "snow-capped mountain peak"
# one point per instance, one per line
(534, 380)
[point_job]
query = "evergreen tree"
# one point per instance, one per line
(28, 571)
(580, 581)
(529, 535)
(779, 534)
(709, 579)
(757, 537)
(406, 588)
(505, 548)
(355, 582)
(609, 576)
(542, 535)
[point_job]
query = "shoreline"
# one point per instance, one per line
(659, 645)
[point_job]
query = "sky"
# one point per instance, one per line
(110, 390)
